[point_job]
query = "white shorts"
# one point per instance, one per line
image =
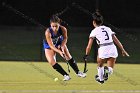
(107, 52)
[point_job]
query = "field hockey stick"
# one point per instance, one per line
(85, 66)
(65, 61)
(22, 15)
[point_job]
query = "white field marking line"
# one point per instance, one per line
(69, 91)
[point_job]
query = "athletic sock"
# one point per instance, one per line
(59, 69)
(100, 73)
(73, 64)
(110, 70)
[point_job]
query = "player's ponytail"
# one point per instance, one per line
(98, 18)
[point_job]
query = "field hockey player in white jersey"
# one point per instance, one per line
(107, 51)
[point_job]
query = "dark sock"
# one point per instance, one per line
(73, 64)
(59, 69)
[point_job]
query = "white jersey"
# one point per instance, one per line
(103, 34)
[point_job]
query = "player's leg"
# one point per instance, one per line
(70, 59)
(108, 70)
(51, 57)
(73, 63)
(99, 77)
(113, 54)
(101, 59)
(110, 63)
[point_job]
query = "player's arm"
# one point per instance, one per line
(49, 41)
(65, 37)
(118, 43)
(88, 48)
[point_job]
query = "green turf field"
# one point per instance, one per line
(38, 77)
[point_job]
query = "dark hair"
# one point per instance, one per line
(98, 18)
(55, 19)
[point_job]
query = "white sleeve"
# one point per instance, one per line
(112, 32)
(92, 34)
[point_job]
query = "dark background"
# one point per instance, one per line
(121, 13)
(21, 39)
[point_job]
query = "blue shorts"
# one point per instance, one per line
(46, 45)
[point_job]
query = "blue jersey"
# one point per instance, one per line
(56, 38)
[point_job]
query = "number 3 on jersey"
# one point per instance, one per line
(106, 34)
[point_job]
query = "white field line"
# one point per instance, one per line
(69, 91)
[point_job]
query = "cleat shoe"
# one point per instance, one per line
(101, 82)
(66, 77)
(98, 80)
(81, 74)
(106, 73)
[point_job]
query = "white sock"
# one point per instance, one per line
(110, 70)
(100, 73)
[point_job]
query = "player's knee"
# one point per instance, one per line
(52, 63)
(100, 64)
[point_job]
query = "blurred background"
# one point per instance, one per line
(21, 39)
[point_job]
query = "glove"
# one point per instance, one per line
(85, 57)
